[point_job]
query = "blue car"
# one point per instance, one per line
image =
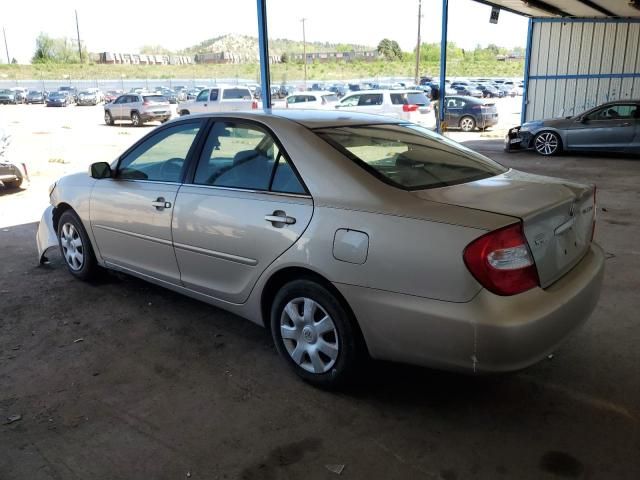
(468, 113)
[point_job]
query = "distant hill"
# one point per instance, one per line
(248, 46)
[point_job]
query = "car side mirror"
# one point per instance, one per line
(100, 170)
(583, 119)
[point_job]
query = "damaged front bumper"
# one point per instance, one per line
(46, 238)
(517, 139)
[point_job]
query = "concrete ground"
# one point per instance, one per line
(124, 380)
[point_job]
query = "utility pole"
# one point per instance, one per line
(5, 45)
(418, 45)
(78, 30)
(304, 50)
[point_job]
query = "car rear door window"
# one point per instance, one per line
(370, 99)
(214, 94)
(161, 157)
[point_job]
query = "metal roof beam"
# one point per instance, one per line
(597, 7)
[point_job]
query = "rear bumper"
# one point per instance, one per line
(488, 334)
(149, 116)
(484, 122)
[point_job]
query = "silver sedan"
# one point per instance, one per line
(610, 127)
(346, 235)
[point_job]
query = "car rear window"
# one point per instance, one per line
(329, 98)
(411, 98)
(236, 94)
(155, 99)
(410, 157)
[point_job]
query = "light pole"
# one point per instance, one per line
(4, 33)
(78, 31)
(418, 45)
(304, 51)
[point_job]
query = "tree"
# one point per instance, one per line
(57, 50)
(389, 49)
(14, 61)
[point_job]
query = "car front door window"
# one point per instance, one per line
(162, 156)
(203, 96)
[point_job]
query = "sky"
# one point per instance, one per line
(337, 21)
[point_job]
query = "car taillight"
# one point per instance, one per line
(409, 108)
(254, 105)
(501, 261)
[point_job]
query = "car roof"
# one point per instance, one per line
(307, 118)
(383, 90)
(313, 92)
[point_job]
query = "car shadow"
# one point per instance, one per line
(11, 190)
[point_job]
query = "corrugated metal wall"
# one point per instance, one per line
(575, 65)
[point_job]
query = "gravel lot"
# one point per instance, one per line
(124, 380)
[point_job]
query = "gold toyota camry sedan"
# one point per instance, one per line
(346, 235)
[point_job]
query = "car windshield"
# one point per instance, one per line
(154, 99)
(330, 98)
(86, 92)
(57, 95)
(34, 92)
(410, 157)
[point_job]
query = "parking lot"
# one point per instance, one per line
(120, 379)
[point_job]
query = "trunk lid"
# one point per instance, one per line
(557, 215)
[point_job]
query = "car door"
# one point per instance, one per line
(612, 127)
(237, 215)
(454, 108)
(131, 212)
(116, 107)
(201, 102)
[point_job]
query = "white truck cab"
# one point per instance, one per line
(220, 98)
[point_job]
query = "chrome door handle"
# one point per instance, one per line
(279, 217)
(161, 204)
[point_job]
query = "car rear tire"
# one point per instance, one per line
(135, 119)
(108, 119)
(547, 144)
(467, 124)
(14, 184)
(75, 247)
(184, 112)
(315, 334)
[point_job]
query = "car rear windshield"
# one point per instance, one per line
(411, 98)
(329, 98)
(155, 99)
(236, 94)
(410, 157)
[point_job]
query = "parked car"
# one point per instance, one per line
(410, 105)
(7, 97)
(489, 91)
(610, 127)
(169, 94)
(467, 90)
(72, 92)
(138, 109)
(317, 100)
(59, 99)
(20, 94)
(469, 113)
(192, 93)
(286, 90)
(90, 97)
(339, 89)
(222, 98)
(111, 95)
(11, 174)
(346, 235)
(35, 96)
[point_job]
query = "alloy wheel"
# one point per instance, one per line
(546, 143)
(72, 248)
(467, 124)
(309, 335)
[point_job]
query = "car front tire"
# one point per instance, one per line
(547, 143)
(315, 334)
(75, 247)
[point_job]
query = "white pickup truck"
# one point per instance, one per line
(220, 98)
